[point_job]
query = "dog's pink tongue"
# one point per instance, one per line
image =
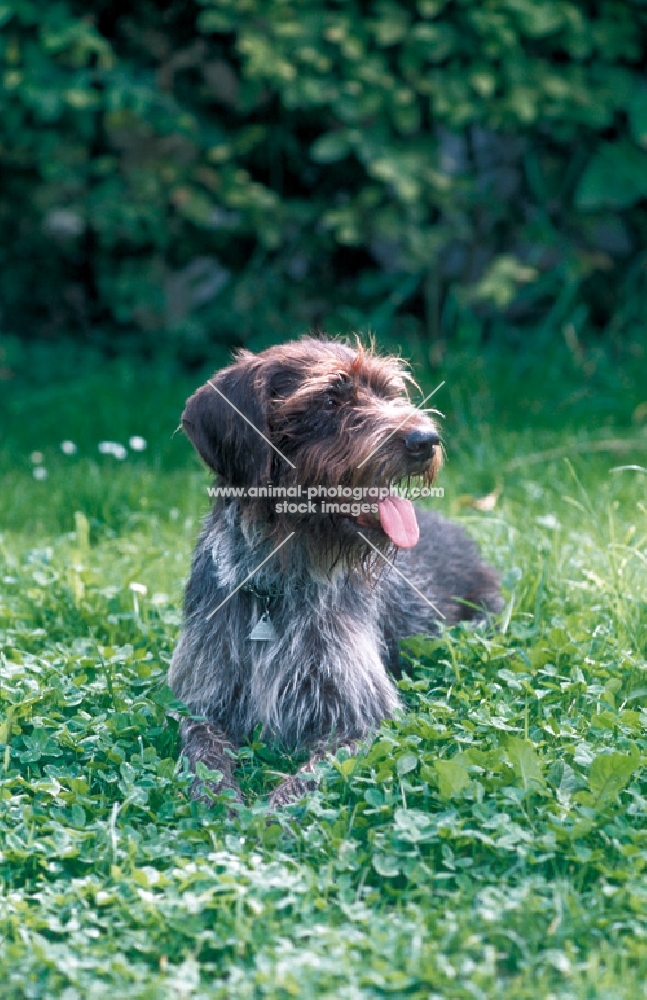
(398, 520)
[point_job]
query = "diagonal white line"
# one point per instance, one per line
(216, 389)
(406, 579)
(406, 419)
(267, 558)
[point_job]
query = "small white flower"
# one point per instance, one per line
(40, 472)
(548, 521)
(68, 448)
(36, 457)
(137, 589)
(136, 443)
(158, 599)
(113, 448)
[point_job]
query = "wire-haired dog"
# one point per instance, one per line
(292, 616)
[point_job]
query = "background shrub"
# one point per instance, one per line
(191, 172)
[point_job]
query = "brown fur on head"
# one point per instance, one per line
(339, 414)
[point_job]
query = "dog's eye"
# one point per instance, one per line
(330, 403)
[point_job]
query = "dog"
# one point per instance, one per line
(296, 602)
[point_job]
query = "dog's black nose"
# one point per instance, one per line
(421, 444)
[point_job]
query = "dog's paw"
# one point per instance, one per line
(290, 790)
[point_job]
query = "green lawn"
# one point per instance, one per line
(490, 843)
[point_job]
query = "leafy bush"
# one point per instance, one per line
(213, 170)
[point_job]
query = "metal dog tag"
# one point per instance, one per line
(263, 630)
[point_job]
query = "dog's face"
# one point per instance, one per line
(320, 415)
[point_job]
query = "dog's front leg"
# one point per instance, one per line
(299, 784)
(203, 742)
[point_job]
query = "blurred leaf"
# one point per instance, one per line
(330, 147)
(502, 279)
(638, 116)
(538, 20)
(615, 177)
(406, 763)
(385, 865)
(453, 777)
(523, 757)
(609, 774)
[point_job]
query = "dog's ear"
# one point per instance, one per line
(226, 419)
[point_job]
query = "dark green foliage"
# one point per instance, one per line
(196, 171)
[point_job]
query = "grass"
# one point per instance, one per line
(492, 842)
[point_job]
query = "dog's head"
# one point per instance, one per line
(319, 413)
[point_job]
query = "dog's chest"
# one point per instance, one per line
(322, 636)
(322, 670)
